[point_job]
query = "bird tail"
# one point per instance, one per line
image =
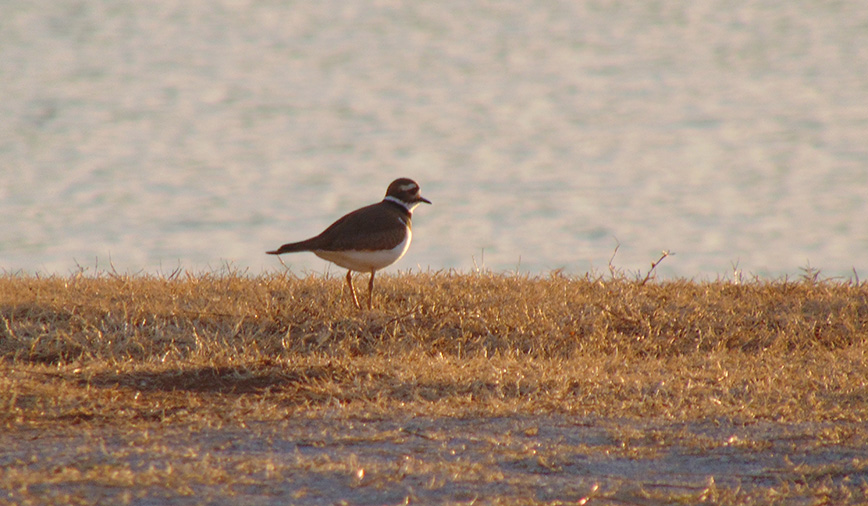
(292, 247)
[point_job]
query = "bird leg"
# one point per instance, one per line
(352, 290)
(371, 291)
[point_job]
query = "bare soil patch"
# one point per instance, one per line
(520, 459)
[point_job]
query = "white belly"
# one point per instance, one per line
(366, 261)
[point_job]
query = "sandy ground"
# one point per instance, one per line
(330, 459)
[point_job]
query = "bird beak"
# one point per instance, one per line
(423, 199)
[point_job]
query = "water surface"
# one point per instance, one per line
(150, 136)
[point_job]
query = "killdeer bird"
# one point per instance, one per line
(367, 239)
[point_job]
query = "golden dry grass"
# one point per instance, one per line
(439, 341)
(115, 352)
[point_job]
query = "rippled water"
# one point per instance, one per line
(153, 135)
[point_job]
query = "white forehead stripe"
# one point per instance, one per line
(407, 187)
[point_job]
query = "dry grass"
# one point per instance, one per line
(121, 353)
(438, 342)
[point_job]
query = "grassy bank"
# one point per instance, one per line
(111, 349)
(456, 388)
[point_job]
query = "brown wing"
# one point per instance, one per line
(378, 226)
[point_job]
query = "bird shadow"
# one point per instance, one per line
(212, 379)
